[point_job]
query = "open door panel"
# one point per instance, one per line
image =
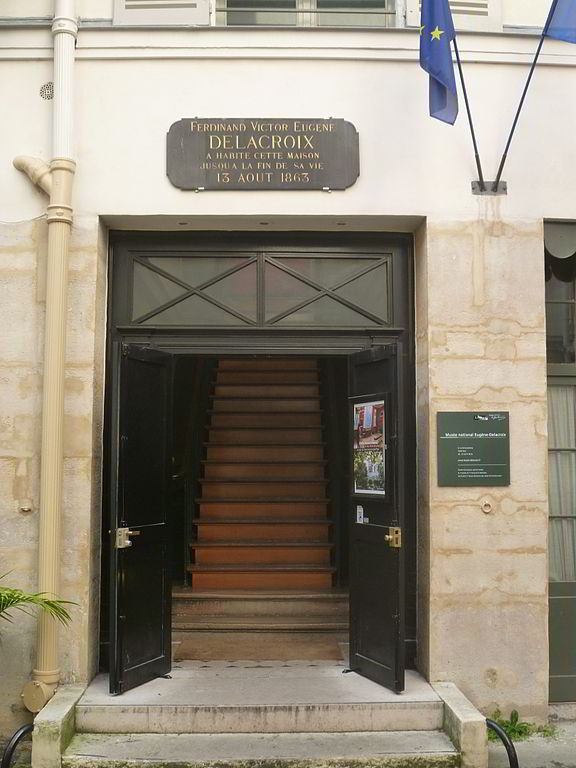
(377, 516)
(140, 647)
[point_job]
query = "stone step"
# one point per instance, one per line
(400, 749)
(259, 697)
(309, 623)
(317, 643)
(187, 604)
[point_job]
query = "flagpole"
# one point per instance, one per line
(525, 91)
(472, 131)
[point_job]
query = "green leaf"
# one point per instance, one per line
(12, 599)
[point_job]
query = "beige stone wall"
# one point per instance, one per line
(483, 577)
(22, 286)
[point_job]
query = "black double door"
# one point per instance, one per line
(141, 459)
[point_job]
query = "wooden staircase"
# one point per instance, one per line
(263, 512)
(261, 573)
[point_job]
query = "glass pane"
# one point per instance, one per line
(358, 13)
(560, 333)
(284, 291)
(326, 311)
(562, 550)
(327, 272)
(558, 289)
(237, 291)
(150, 290)
(264, 13)
(369, 291)
(562, 417)
(194, 311)
(562, 483)
(195, 270)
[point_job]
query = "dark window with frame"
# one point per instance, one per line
(256, 288)
(560, 275)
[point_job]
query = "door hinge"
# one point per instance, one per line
(394, 538)
(123, 537)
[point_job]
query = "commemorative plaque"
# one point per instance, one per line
(262, 153)
(473, 448)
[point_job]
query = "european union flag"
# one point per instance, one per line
(562, 21)
(436, 33)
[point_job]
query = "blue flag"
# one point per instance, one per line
(562, 21)
(436, 33)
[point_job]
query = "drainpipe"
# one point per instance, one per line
(46, 675)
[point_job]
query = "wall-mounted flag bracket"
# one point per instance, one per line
(489, 188)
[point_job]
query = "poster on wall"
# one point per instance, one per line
(368, 448)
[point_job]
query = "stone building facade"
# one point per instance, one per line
(479, 288)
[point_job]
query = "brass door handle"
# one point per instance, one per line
(394, 538)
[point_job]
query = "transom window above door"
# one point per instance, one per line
(247, 289)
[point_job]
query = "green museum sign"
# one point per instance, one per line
(473, 448)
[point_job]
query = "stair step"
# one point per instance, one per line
(266, 404)
(264, 435)
(263, 376)
(185, 750)
(266, 390)
(260, 624)
(261, 577)
(269, 489)
(268, 363)
(262, 530)
(189, 604)
(262, 552)
(258, 508)
(238, 470)
(259, 698)
(303, 452)
(266, 419)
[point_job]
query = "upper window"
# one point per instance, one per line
(560, 265)
(306, 13)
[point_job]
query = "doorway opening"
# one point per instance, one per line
(260, 437)
(259, 533)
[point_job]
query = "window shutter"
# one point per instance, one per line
(158, 13)
(475, 15)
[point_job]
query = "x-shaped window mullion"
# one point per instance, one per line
(323, 291)
(194, 291)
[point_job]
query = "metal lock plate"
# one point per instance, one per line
(394, 538)
(123, 537)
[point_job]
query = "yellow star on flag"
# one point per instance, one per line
(422, 28)
(437, 33)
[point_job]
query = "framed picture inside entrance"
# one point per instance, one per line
(369, 447)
